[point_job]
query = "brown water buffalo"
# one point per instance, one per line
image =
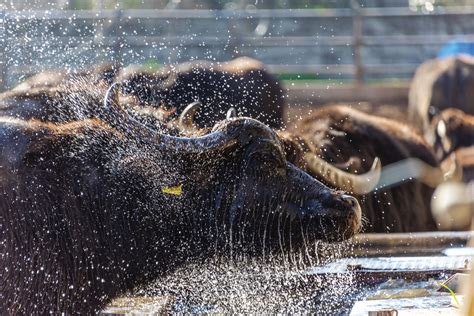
(440, 84)
(97, 203)
(242, 83)
(452, 131)
(342, 137)
(449, 130)
(465, 159)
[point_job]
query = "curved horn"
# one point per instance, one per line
(414, 168)
(111, 99)
(231, 113)
(224, 134)
(186, 119)
(114, 114)
(357, 184)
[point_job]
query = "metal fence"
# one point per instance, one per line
(357, 43)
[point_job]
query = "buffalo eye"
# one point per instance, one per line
(269, 163)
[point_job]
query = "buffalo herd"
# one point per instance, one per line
(113, 176)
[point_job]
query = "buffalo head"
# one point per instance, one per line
(450, 130)
(239, 171)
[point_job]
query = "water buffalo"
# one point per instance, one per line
(440, 84)
(53, 78)
(242, 83)
(59, 103)
(91, 206)
(69, 100)
(342, 137)
(452, 131)
(449, 130)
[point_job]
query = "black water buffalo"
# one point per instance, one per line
(440, 84)
(62, 102)
(53, 78)
(342, 137)
(452, 131)
(71, 99)
(91, 206)
(242, 83)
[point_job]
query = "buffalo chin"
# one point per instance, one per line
(326, 224)
(291, 211)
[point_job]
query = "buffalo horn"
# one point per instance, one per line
(231, 113)
(186, 119)
(112, 96)
(357, 184)
(224, 134)
(414, 168)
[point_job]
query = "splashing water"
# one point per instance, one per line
(255, 285)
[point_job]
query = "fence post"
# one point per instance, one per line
(357, 41)
(234, 44)
(3, 57)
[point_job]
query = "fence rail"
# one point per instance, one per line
(235, 40)
(260, 13)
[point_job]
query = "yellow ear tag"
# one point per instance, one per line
(177, 190)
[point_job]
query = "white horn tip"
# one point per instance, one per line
(231, 113)
(111, 95)
(376, 165)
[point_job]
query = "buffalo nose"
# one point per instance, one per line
(352, 201)
(355, 209)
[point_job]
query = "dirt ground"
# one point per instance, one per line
(387, 99)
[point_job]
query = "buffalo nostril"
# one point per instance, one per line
(352, 201)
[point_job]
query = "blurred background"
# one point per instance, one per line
(332, 42)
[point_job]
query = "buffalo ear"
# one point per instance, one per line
(432, 111)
